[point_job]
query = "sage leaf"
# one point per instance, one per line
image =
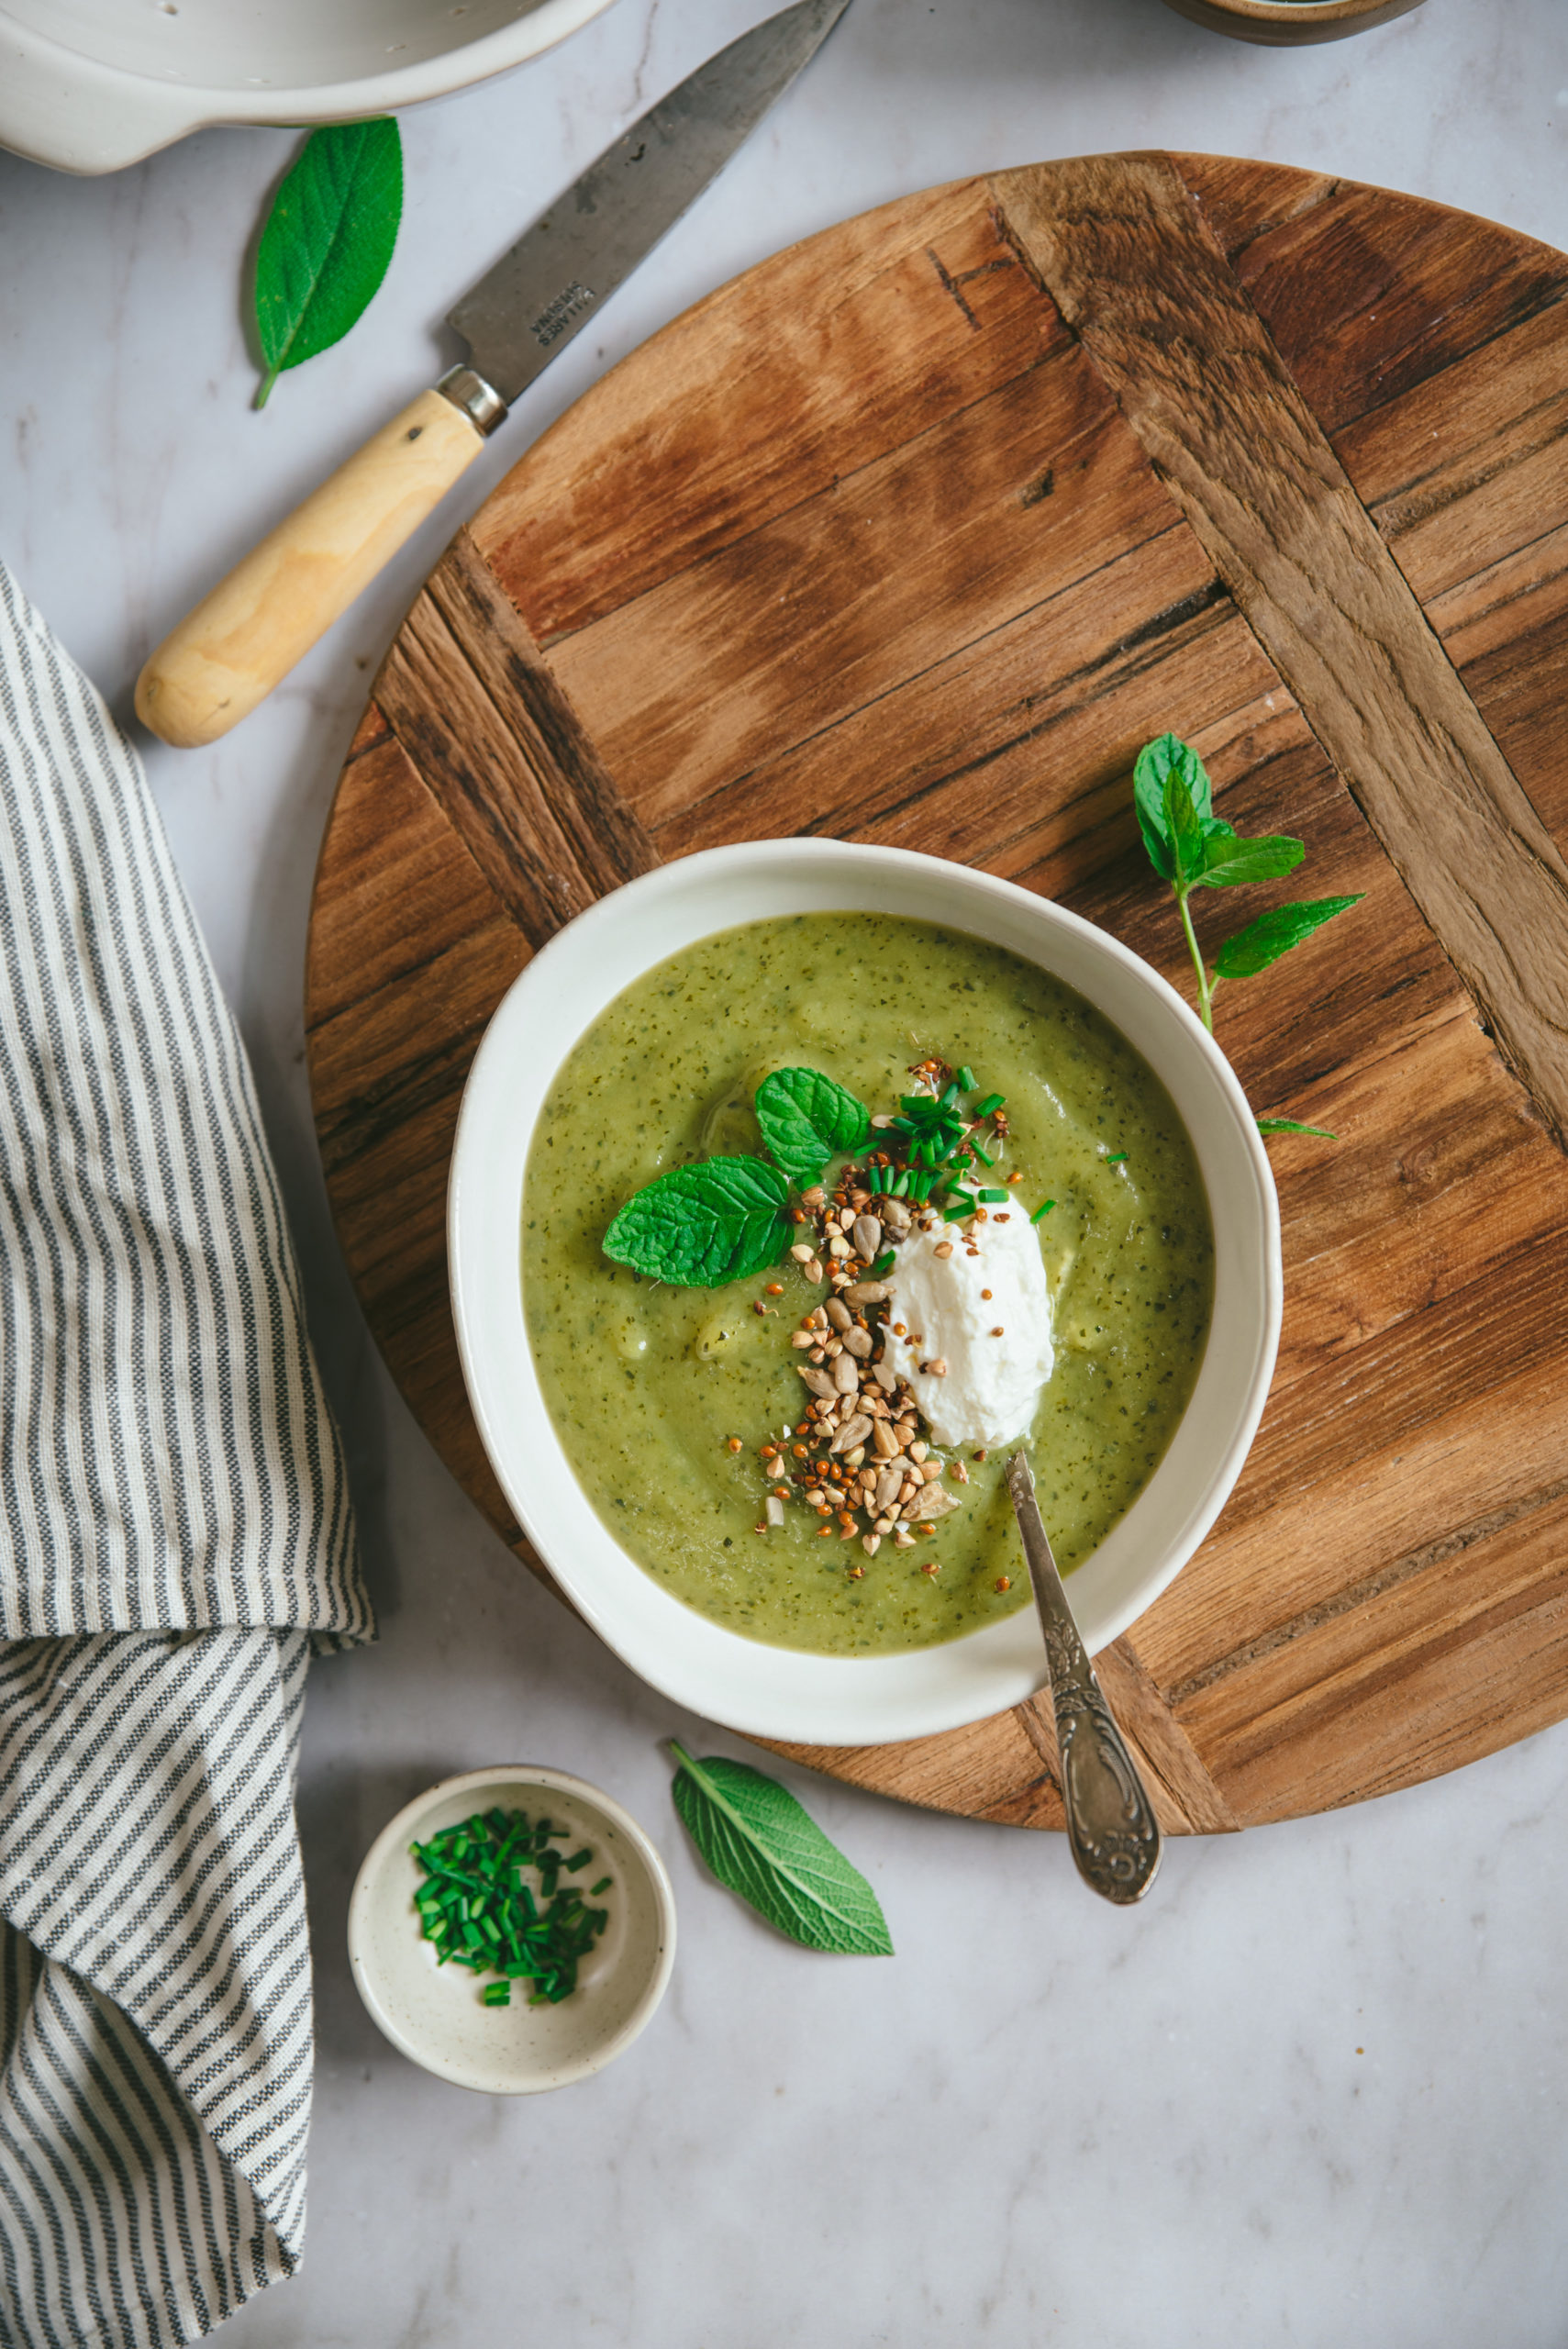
(759, 1842)
(1290, 1125)
(1228, 862)
(806, 1118)
(327, 242)
(700, 1226)
(1274, 933)
(1157, 760)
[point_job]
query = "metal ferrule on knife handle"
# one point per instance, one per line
(476, 399)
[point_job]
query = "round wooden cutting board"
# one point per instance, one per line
(914, 534)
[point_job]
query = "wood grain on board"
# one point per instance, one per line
(914, 534)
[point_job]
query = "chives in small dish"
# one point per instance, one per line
(512, 1929)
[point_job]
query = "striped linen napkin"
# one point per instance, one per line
(176, 1539)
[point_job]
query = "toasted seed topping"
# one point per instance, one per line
(858, 1343)
(801, 1252)
(867, 1237)
(838, 1314)
(934, 1368)
(846, 1377)
(942, 1248)
(868, 1293)
(853, 1432)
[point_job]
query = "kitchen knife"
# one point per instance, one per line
(229, 652)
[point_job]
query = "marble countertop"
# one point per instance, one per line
(1317, 2089)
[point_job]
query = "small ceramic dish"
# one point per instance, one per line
(1289, 24)
(785, 1693)
(435, 2014)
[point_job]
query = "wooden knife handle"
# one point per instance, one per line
(228, 653)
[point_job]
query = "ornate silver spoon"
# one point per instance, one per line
(1110, 1822)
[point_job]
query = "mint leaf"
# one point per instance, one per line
(1157, 760)
(759, 1842)
(1289, 1125)
(806, 1118)
(1228, 862)
(328, 242)
(1184, 827)
(1272, 934)
(701, 1226)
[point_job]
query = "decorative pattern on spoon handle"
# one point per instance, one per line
(1111, 1827)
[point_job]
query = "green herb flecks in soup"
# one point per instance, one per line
(651, 1386)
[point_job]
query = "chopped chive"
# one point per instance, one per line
(497, 1994)
(992, 1101)
(949, 1098)
(884, 1264)
(1044, 1208)
(977, 1152)
(990, 1199)
(603, 1886)
(873, 1179)
(579, 1860)
(966, 1080)
(1116, 1158)
(901, 1189)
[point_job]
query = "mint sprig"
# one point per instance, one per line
(1192, 848)
(760, 1843)
(806, 1118)
(700, 1226)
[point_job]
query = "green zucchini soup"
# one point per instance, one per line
(780, 1452)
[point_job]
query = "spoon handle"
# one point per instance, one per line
(1110, 1823)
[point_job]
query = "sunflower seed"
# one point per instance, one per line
(775, 1510)
(867, 1293)
(852, 1433)
(820, 1382)
(883, 1437)
(868, 1237)
(839, 1315)
(859, 1342)
(846, 1374)
(887, 1487)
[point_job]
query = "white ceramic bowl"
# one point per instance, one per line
(780, 1692)
(89, 86)
(434, 2013)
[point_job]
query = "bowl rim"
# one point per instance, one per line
(800, 1697)
(395, 1834)
(63, 107)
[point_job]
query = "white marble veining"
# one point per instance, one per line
(1316, 2092)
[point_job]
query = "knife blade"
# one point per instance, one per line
(227, 655)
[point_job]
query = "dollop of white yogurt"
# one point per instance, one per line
(992, 1386)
